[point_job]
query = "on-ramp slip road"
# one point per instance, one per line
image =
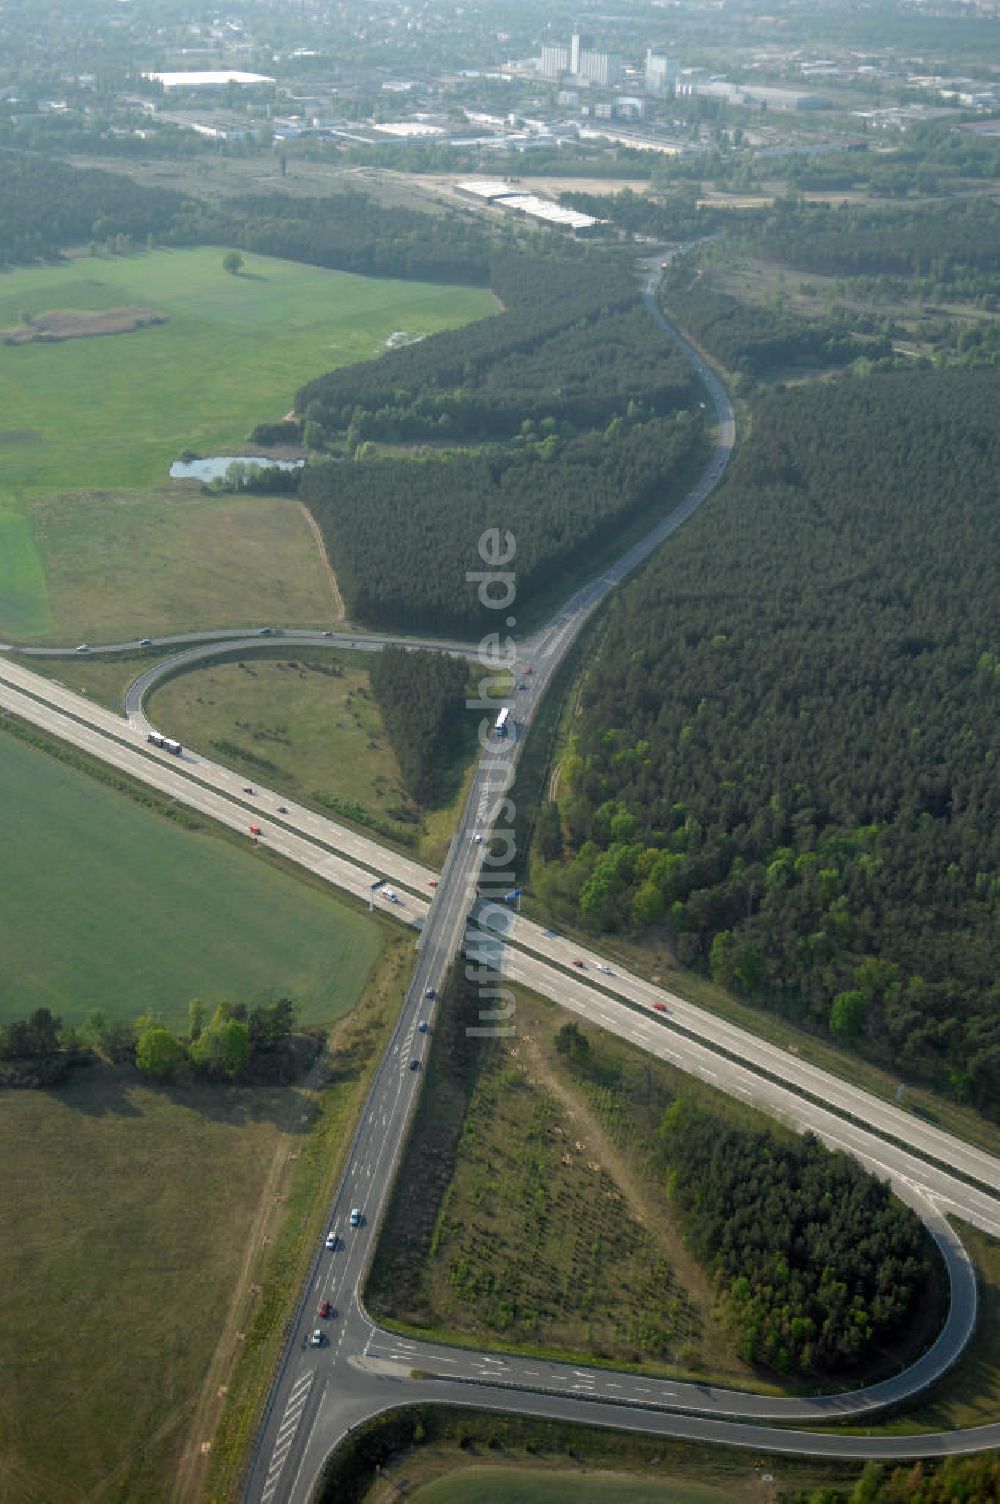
(321, 1392)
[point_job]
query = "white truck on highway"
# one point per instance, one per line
(165, 743)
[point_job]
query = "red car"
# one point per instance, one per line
(255, 830)
(433, 883)
(660, 1007)
(581, 965)
(325, 1308)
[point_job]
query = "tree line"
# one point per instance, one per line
(230, 1043)
(571, 342)
(47, 205)
(404, 532)
(785, 757)
(753, 340)
(671, 215)
(955, 1480)
(420, 696)
(577, 377)
(944, 242)
(543, 298)
(815, 1259)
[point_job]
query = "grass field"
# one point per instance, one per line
(104, 904)
(537, 1219)
(172, 557)
(150, 1242)
(233, 353)
(526, 1485)
(310, 729)
(103, 679)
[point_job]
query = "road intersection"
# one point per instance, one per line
(321, 1393)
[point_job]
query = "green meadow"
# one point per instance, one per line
(104, 904)
(526, 1485)
(110, 413)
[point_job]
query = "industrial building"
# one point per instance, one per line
(761, 96)
(501, 195)
(593, 67)
(660, 74)
(220, 79)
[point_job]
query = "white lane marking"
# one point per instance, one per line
(286, 1432)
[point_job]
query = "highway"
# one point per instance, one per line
(320, 1392)
(592, 988)
(616, 1000)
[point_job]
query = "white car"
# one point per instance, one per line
(83, 648)
(331, 1240)
(606, 970)
(355, 1216)
(478, 839)
(316, 1340)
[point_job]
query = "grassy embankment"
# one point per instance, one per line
(310, 728)
(539, 1220)
(142, 554)
(485, 1484)
(497, 1459)
(150, 1235)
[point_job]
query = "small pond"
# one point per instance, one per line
(216, 466)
